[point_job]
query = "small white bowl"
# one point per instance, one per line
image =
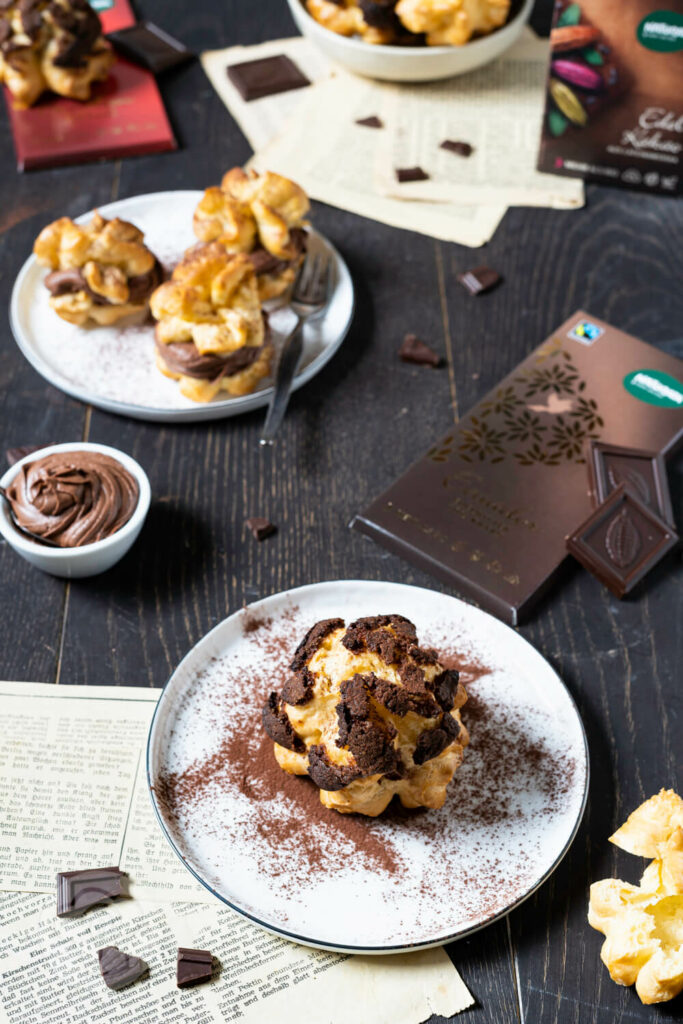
(90, 559)
(405, 63)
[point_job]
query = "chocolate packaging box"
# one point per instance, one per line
(614, 103)
(489, 507)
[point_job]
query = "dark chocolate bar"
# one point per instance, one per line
(78, 891)
(194, 966)
(149, 46)
(621, 541)
(645, 473)
(488, 508)
(413, 350)
(459, 148)
(266, 76)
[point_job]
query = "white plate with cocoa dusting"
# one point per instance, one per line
(260, 839)
(114, 367)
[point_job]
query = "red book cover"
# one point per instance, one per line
(124, 117)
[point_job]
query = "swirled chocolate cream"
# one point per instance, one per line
(73, 498)
(369, 714)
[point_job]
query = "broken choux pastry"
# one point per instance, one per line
(262, 215)
(643, 924)
(369, 715)
(452, 22)
(374, 21)
(100, 272)
(52, 45)
(212, 334)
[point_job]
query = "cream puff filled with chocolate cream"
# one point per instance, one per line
(100, 272)
(262, 215)
(72, 498)
(369, 714)
(212, 334)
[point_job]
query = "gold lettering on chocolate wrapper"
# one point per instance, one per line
(492, 566)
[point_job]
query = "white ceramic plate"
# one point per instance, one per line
(262, 843)
(114, 368)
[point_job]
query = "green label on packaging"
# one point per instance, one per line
(655, 388)
(661, 31)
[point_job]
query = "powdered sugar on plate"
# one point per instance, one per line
(263, 842)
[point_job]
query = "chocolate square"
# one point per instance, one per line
(481, 279)
(266, 76)
(260, 527)
(194, 966)
(413, 350)
(120, 969)
(459, 148)
(149, 46)
(78, 891)
(621, 541)
(404, 174)
(370, 122)
(644, 472)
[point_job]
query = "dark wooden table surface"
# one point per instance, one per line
(347, 435)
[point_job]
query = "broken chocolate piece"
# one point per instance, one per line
(78, 891)
(433, 742)
(278, 726)
(643, 471)
(310, 643)
(298, 689)
(621, 541)
(460, 148)
(261, 528)
(415, 351)
(119, 969)
(149, 46)
(13, 455)
(481, 279)
(370, 122)
(267, 76)
(194, 966)
(404, 174)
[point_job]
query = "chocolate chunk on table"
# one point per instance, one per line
(194, 966)
(413, 350)
(266, 76)
(148, 45)
(404, 174)
(261, 528)
(643, 471)
(460, 148)
(480, 279)
(621, 541)
(370, 122)
(78, 891)
(120, 969)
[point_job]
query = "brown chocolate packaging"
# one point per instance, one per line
(614, 100)
(488, 508)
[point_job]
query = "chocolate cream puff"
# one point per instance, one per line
(51, 45)
(212, 334)
(100, 272)
(368, 714)
(262, 215)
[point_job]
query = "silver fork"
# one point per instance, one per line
(309, 298)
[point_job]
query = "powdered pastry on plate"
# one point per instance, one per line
(262, 215)
(368, 714)
(100, 272)
(212, 334)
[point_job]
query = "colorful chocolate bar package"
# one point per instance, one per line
(614, 102)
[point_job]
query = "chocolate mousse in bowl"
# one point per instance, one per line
(74, 509)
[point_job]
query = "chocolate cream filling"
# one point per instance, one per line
(184, 357)
(73, 498)
(264, 262)
(140, 287)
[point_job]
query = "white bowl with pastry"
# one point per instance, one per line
(91, 313)
(74, 509)
(412, 40)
